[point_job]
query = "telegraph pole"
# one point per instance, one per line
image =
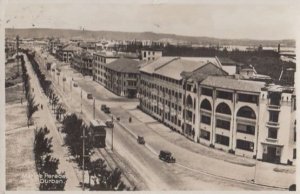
(81, 101)
(83, 156)
(94, 108)
(112, 133)
(18, 64)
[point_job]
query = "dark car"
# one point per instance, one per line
(89, 96)
(109, 124)
(141, 140)
(103, 107)
(75, 85)
(166, 156)
(107, 110)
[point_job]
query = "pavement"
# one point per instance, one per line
(223, 171)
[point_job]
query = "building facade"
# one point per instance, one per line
(122, 77)
(150, 54)
(100, 61)
(205, 104)
(83, 62)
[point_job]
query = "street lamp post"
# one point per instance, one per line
(112, 133)
(94, 104)
(81, 101)
(83, 155)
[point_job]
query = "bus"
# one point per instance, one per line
(98, 133)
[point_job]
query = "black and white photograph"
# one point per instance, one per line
(150, 95)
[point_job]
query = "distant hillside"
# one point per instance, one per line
(66, 33)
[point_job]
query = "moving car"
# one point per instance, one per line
(89, 96)
(103, 107)
(109, 124)
(107, 110)
(166, 156)
(141, 140)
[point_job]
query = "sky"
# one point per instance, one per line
(221, 19)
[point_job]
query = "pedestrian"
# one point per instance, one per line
(130, 119)
(41, 106)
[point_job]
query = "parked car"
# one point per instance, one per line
(166, 156)
(141, 140)
(64, 79)
(89, 96)
(109, 124)
(75, 85)
(107, 110)
(103, 107)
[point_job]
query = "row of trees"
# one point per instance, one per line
(32, 107)
(57, 107)
(46, 165)
(103, 178)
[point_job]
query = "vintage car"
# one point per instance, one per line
(166, 156)
(75, 85)
(109, 124)
(103, 107)
(107, 110)
(141, 140)
(89, 96)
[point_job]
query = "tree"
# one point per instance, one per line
(42, 145)
(31, 107)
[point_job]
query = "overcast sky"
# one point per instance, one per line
(226, 20)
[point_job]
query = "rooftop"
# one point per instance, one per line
(233, 84)
(117, 55)
(124, 65)
(172, 67)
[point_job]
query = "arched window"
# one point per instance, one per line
(205, 105)
(223, 108)
(189, 101)
(246, 112)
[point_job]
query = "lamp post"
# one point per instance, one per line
(83, 155)
(81, 101)
(94, 104)
(112, 133)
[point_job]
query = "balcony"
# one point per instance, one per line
(189, 107)
(273, 107)
(273, 124)
(271, 140)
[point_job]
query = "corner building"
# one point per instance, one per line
(201, 101)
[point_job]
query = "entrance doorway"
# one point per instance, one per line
(272, 154)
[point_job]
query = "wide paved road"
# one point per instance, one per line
(155, 174)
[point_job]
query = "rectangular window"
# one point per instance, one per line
(205, 134)
(273, 116)
(206, 92)
(205, 119)
(248, 98)
(224, 95)
(223, 124)
(294, 153)
(221, 139)
(244, 145)
(272, 133)
(248, 129)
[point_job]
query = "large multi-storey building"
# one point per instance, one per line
(100, 59)
(122, 77)
(82, 62)
(201, 101)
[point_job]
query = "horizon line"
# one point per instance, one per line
(164, 33)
